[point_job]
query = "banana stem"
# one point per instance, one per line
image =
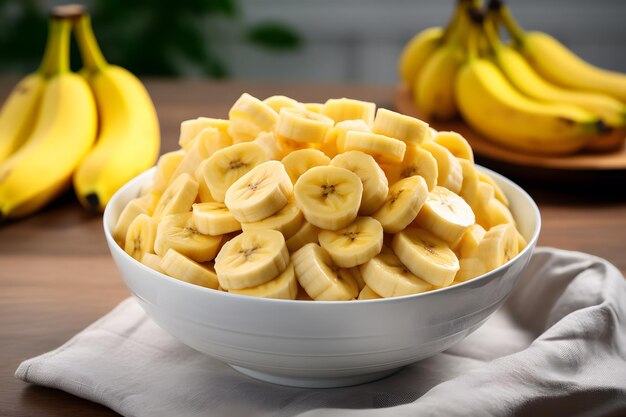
(514, 29)
(56, 58)
(489, 29)
(53, 46)
(88, 46)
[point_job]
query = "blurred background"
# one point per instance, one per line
(322, 41)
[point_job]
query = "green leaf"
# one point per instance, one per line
(272, 35)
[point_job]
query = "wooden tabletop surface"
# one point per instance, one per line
(57, 277)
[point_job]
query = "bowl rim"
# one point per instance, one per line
(113, 246)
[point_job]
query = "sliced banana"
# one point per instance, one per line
(498, 246)
(456, 144)
(284, 286)
(354, 244)
(368, 294)
(336, 135)
(204, 194)
(486, 193)
(278, 102)
(226, 166)
(375, 186)
(272, 147)
(449, 171)
(314, 107)
(301, 126)
(400, 126)
(320, 277)
(328, 196)
(499, 194)
(426, 256)
(259, 193)
(249, 116)
(205, 144)
(179, 266)
(498, 213)
(134, 208)
(446, 215)
(152, 261)
(288, 221)
(404, 200)
(298, 162)
(340, 109)
(469, 268)
(189, 129)
(388, 277)
(165, 168)
(214, 219)
(468, 244)
(251, 259)
(521, 242)
(177, 197)
(179, 231)
(356, 274)
(382, 148)
(307, 234)
(469, 186)
(416, 161)
(140, 236)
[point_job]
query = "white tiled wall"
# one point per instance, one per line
(359, 40)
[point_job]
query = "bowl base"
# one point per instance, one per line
(303, 382)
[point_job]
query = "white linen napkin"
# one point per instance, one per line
(557, 348)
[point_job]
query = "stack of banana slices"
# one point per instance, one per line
(530, 94)
(96, 129)
(332, 201)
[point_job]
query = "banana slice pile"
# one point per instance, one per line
(311, 201)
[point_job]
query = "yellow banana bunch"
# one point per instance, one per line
(494, 107)
(50, 121)
(128, 140)
(429, 62)
(558, 64)
(63, 131)
(348, 203)
(532, 95)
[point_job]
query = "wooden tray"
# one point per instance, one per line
(612, 163)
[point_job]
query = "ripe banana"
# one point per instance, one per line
(248, 117)
(251, 258)
(375, 186)
(516, 121)
(404, 200)
(386, 276)
(498, 246)
(135, 207)
(557, 64)
(189, 129)
(259, 193)
(320, 277)
(64, 131)
(456, 144)
(297, 128)
(329, 196)
(128, 129)
(354, 244)
(336, 135)
(20, 110)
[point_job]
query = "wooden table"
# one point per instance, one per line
(57, 277)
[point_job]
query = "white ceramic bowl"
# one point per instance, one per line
(321, 344)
